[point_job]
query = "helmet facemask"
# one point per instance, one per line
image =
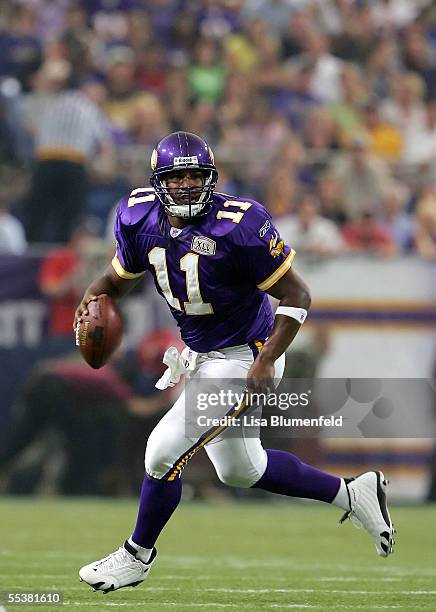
(186, 202)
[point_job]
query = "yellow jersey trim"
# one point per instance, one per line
(122, 272)
(258, 345)
(277, 275)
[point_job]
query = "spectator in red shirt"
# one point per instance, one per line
(150, 74)
(58, 282)
(366, 235)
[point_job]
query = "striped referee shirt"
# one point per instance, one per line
(71, 128)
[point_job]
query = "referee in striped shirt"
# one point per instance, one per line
(72, 129)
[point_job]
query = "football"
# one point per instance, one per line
(100, 332)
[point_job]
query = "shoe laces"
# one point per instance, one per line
(115, 559)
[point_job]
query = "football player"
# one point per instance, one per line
(215, 258)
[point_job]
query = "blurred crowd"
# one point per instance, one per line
(324, 110)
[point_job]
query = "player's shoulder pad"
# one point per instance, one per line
(244, 217)
(137, 205)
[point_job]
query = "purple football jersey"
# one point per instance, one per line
(212, 273)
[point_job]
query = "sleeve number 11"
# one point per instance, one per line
(230, 214)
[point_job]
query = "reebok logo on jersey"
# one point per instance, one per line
(179, 161)
(265, 227)
(203, 245)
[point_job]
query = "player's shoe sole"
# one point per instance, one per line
(116, 571)
(369, 510)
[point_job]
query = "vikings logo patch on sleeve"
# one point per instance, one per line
(276, 247)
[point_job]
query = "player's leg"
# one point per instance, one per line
(174, 440)
(177, 437)
(243, 462)
(363, 498)
(162, 485)
(160, 496)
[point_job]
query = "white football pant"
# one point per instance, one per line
(239, 460)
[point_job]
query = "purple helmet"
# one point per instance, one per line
(184, 151)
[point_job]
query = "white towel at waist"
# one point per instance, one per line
(182, 363)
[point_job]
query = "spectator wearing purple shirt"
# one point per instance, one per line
(20, 49)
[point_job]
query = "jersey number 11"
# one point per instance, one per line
(189, 265)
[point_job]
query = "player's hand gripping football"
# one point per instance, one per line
(82, 309)
(260, 377)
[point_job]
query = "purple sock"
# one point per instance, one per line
(159, 499)
(287, 475)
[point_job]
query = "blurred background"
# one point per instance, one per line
(324, 110)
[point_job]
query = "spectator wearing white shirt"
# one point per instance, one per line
(308, 232)
(420, 144)
(394, 14)
(406, 109)
(326, 79)
(12, 235)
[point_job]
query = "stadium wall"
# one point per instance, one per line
(381, 317)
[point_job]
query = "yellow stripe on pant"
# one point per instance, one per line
(177, 468)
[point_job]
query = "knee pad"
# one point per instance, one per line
(156, 461)
(236, 478)
(238, 462)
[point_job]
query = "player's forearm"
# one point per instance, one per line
(283, 333)
(111, 284)
(285, 327)
(101, 285)
(105, 284)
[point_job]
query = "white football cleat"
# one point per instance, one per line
(369, 510)
(117, 570)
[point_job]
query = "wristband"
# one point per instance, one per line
(299, 314)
